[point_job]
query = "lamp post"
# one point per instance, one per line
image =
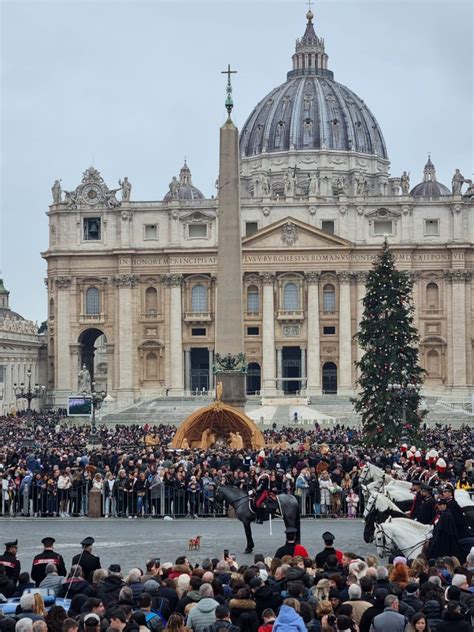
(96, 401)
(29, 393)
(402, 392)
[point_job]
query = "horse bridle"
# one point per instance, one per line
(388, 549)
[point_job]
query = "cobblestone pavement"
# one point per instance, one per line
(132, 542)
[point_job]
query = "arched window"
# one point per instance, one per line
(151, 367)
(151, 300)
(291, 297)
(199, 298)
(253, 299)
(433, 363)
(432, 296)
(92, 301)
(329, 298)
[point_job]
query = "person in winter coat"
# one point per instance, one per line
(110, 588)
(390, 620)
(134, 582)
(264, 596)
(222, 621)
(453, 619)
(432, 610)
(243, 602)
(75, 584)
(288, 619)
(7, 585)
(204, 613)
(418, 623)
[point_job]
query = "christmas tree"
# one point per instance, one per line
(390, 375)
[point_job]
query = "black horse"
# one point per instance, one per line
(287, 508)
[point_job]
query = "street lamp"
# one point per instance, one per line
(29, 393)
(96, 401)
(402, 392)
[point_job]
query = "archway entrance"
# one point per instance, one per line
(329, 378)
(254, 383)
(199, 369)
(291, 365)
(93, 354)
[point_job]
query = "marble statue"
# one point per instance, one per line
(405, 183)
(126, 189)
(56, 191)
(265, 184)
(84, 380)
(219, 391)
(71, 198)
(313, 188)
(257, 187)
(239, 442)
(174, 188)
(361, 185)
(339, 186)
(457, 182)
(290, 182)
(110, 198)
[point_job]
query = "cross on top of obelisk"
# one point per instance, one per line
(229, 103)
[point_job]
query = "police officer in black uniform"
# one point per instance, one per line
(86, 560)
(328, 550)
(417, 501)
(289, 547)
(428, 508)
(10, 562)
(48, 556)
(462, 526)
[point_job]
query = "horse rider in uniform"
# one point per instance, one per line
(47, 556)
(86, 560)
(262, 491)
(462, 527)
(427, 512)
(417, 501)
(10, 562)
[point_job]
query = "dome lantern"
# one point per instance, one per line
(182, 188)
(430, 187)
(310, 57)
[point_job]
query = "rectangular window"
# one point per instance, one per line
(198, 331)
(329, 331)
(151, 231)
(253, 331)
(383, 227)
(2, 373)
(92, 230)
(250, 228)
(431, 227)
(197, 231)
(328, 226)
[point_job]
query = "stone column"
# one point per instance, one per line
(125, 336)
(361, 278)
(313, 386)
(268, 336)
(303, 369)
(176, 337)
(458, 279)
(75, 355)
(279, 374)
(211, 369)
(187, 369)
(345, 334)
(63, 387)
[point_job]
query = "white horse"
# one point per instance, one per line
(381, 503)
(463, 498)
(401, 535)
(374, 477)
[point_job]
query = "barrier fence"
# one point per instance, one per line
(155, 502)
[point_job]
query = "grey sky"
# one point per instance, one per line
(135, 86)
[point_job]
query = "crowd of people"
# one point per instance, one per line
(293, 591)
(139, 475)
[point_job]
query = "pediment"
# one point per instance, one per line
(293, 233)
(383, 213)
(197, 217)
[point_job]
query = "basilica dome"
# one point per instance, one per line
(183, 188)
(311, 110)
(429, 187)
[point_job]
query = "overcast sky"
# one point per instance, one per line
(133, 87)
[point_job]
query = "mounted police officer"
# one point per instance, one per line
(10, 562)
(86, 560)
(47, 556)
(428, 510)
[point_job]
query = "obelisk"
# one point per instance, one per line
(230, 365)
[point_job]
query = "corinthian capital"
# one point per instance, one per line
(458, 276)
(174, 280)
(344, 276)
(267, 278)
(312, 277)
(63, 282)
(125, 280)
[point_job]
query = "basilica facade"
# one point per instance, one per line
(132, 285)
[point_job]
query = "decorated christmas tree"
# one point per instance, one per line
(390, 375)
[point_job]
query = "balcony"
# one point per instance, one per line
(151, 316)
(290, 316)
(198, 317)
(91, 319)
(252, 315)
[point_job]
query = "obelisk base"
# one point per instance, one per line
(233, 388)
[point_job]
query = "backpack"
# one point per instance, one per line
(153, 615)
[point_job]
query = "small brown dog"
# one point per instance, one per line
(194, 543)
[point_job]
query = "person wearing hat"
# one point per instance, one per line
(291, 547)
(462, 526)
(48, 556)
(10, 562)
(445, 540)
(417, 501)
(427, 511)
(110, 588)
(328, 550)
(86, 560)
